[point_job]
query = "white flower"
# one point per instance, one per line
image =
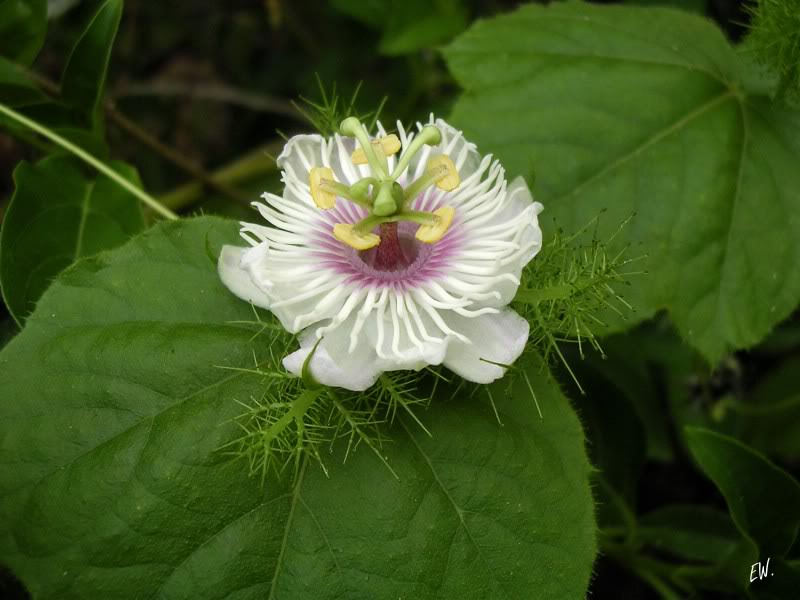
(404, 273)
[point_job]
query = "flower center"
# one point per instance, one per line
(387, 203)
(398, 258)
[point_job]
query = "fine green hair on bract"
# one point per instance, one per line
(326, 114)
(774, 41)
(570, 284)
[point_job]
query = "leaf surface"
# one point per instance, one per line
(84, 77)
(647, 111)
(763, 499)
(112, 483)
(23, 24)
(56, 216)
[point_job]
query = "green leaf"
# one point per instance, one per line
(763, 500)
(694, 6)
(15, 88)
(19, 92)
(112, 483)
(644, 110)
(23, 24)
(408, 25)
(654, 368)
(618, 444)
(689, 532)
(56, 216)
(84, 75)
(771, 414)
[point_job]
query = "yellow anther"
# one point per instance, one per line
(388, 145)
(451, 180)
(323, 198)
(345, 234)
(436, 230)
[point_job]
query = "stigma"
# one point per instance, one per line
(386, 201)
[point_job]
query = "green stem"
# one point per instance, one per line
(298, 409)
(88, 159)
(359, 192)
(242, 169)
(131, 128)
(535, 296)
(554, 292)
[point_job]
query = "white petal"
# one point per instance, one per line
(300, 154)
(521, 198)
(499, 337)
(301, 310)
(333, 364)
(519, 217)
(237, 278)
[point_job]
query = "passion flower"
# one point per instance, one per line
(393, 252)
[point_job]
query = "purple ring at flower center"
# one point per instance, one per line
(421, 262)
(415, 253)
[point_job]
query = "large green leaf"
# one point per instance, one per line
(646, 111)
(23, 24)
(56, 216)
(764, 500)
(112, 483)
(84, 77)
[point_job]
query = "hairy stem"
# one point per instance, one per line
(299, 408)
(131, 128)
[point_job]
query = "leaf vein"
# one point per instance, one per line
(456, 508)
(651, 141)
(289, 520)
(214, 536)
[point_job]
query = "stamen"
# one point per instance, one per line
(440, 171)
(360, 241)
(429, 135)
(389, 145)
(450, 180)
(323, 197)
(432, 233)
(384, 198)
